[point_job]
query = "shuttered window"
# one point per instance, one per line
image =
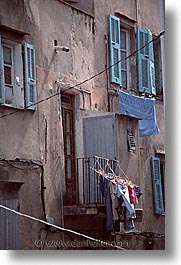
(114, 41)
(157, 185)
(30, 76)
(13, 84)
(125, 52)
(11, 74)
(9, 226)
(146, 70)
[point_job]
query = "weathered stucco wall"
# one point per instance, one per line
(148, 147)
(149, 15)
(38, 135)
(22, 181)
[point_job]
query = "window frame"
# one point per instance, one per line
(24, 88)
(158, 62)
(127, 50)
(8, 44)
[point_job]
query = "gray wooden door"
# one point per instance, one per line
(9, 226)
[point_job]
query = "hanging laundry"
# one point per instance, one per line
(120, 195)
(115, 208)
(132, 194)
(140, 108)
(138, 191)
(105, 189)
(130, 211)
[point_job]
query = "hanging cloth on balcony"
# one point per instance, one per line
(119, 192)
(142, 109)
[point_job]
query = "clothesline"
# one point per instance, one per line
(120, 194)
(61, 228)
(113, 178)
(107, 165)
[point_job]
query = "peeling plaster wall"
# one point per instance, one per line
(149, 15)
(146, 15)
(30, 184)
(38, 135)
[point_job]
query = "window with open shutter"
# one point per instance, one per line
(30, 76)
(146, 70)
(1, 76)
(157, 185)
(11, 74)
(114, 40)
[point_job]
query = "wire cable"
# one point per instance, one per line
(86, 80)
(61, 228)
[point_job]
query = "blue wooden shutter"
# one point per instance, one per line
(115, 56)
(157, 185)
(1, 76)
(9, 238)
(146, 71)
(30, 76)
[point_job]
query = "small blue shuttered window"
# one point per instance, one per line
(30, 76)
(157, 185)
(114, 44)
(146, 69)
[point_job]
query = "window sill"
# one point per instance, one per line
(11, 106)
(6, 106)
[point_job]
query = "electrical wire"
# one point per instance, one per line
(61, 228)
(86, 80)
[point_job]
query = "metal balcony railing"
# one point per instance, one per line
(88, 180)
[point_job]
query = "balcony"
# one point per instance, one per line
(89, 199)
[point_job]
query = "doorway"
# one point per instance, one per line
(69, 148)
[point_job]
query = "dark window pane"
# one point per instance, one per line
(7, 55)
(68, 169)
(68, 145)
(124, 79)
(124, 62)
(7, 75)
(123, 40)
(67, 122)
